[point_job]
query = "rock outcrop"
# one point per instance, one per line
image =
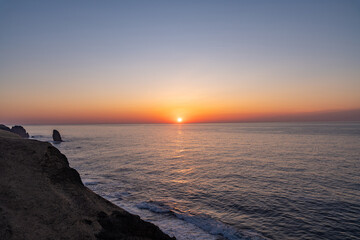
(41, 197)
(5, 128)
(56, 136)
(19, 130)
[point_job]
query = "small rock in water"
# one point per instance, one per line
(19, 130)
(56, 136)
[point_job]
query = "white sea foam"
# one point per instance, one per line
(202, 221)
(89, 181)
(168, 223)
(154, 207)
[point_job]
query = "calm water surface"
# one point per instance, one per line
(225, 181)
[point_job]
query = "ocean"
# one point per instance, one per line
(224, 181)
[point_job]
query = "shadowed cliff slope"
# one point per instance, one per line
(41, 197)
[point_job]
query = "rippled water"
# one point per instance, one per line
(225, 181)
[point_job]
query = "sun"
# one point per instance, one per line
(179, 120)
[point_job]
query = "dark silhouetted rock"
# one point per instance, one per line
(5, 128)
(42, 197)
(119, 225)
(56, 136)
(19, 130)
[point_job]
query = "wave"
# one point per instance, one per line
(156, 207)
(202, 221)
(90, 182)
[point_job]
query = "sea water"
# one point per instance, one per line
(224, 181)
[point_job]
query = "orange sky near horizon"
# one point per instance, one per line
(203, 96)
(161, 110)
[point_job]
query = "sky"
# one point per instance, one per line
(64, 62)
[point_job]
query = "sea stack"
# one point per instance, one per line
(56, 136)
(19, 130)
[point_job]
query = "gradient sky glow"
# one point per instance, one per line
(155, 61)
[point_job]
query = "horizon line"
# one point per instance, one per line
(352, 115)
(185, 123)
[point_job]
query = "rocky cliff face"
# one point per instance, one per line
(41, 197)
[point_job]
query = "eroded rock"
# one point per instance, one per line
(56, 136)
(19, 130)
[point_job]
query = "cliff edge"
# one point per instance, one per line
(41, 197)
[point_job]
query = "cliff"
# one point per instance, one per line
(41, 197)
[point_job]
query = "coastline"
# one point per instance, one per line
(41, 197)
